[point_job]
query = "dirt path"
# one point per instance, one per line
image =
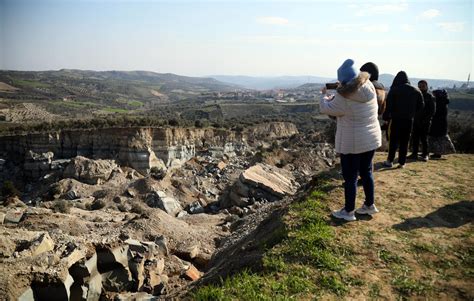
(421, 244)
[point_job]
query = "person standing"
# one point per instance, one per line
(403, 102)
(358, 135)
(373, 70)
(422, 123)
(439, 141)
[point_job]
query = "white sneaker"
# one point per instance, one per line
(401, 166)
(367, 209)
(387, 164)
(343, 214)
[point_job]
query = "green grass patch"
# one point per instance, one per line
(389, 257)
(406, 284)
(135, 103)
(29, 83)
(114, 110)
(455, 194)
(306, 262)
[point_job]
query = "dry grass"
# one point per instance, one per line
(421, 243)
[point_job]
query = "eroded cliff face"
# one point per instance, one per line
(142, 148)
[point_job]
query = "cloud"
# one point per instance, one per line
(360, 27)
(390, 8)
(430, 14)
(408, 28)
(344, 27)
(451, 26)
(375, 28)
(273, 21)
(304, 40)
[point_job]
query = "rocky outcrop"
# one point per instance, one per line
(69, 272)
(36, 165)
(89, 171)
(141, 148)
(261, 182)
(275, 180)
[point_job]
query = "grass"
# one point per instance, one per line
(370, 259)
(30, 83)
(115, 110)
(305, 263)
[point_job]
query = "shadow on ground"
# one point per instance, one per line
(450, 216)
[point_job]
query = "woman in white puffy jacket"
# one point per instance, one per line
(358, 135)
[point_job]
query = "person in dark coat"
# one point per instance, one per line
(422, 124)
(439, 141)
(373, 70)
(403, 102)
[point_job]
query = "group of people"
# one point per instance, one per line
(416, 113)
(408, 111)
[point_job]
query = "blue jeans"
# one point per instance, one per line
(352, 166)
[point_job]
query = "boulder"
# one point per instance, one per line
(158, 199)
(14, 216)
(43, 243)
(274, 180)
(195, 208)
(89, 171)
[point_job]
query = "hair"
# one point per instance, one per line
(423, 82)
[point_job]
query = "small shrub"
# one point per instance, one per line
(157, 173)
(9, 189)
(122, 208)
(62, 206)
(97, 204)
(137, 208)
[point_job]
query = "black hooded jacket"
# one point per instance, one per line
(439, 124)
(403, 100)
(428, 110)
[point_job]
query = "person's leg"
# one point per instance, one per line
(415, 142)
(393, 143)
(350, 165)
(365, 170)
(424, 143)
(405, 131)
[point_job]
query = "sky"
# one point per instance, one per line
(427, 39)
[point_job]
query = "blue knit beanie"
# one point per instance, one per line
(346, 72)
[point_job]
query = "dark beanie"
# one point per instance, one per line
(372, 69)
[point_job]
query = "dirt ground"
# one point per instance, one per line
(421, 244)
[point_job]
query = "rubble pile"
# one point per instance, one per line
(84, 228)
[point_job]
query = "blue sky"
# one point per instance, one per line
(431, 39)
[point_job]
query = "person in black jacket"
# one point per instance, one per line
(439, 141)
(403, 102)
(422, 123)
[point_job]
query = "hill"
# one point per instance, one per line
(420, 246)
(289, 82)
(266, 83)
(110, 91)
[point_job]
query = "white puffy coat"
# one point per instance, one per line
(358, 128)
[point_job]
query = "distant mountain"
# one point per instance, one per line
(266, 83)
(108, 85)
(288, 82)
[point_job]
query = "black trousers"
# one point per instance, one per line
(400, 130)
(420, 134)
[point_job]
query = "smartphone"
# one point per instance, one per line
(332, 86)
